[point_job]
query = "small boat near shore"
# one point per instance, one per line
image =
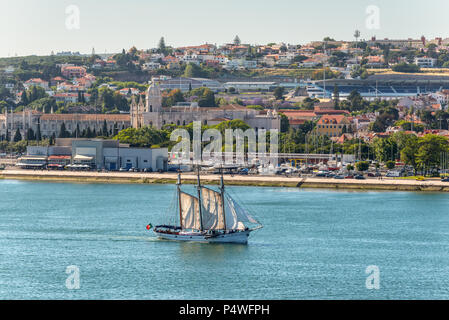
(211, 216)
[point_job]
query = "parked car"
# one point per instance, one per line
(445, 179)
(147, 170)
(393, 174)
(349, 177)
(374, 174)
(123, 170)
(339, 177)
(244, 172)
(360, 177)
(321, 174)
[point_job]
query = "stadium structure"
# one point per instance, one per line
(384, 87)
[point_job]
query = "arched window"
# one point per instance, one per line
(184, 123)
(179, 123)
(151, 108)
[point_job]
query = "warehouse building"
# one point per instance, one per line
(95, 154)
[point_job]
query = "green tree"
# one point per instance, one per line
(30, 135)
(143, 137)
(63, 133)
(285, 123)
(237, 41)
(24, 98)
(336, 96)
(161, 46)
(193, 70)
(362, 166)
(356, 100)
(204, 96)
(390, 165)
(52, 139)
(105, 129)
(38, 132)
(405, 67)
(409, 152)
(17, 136)
(172, 98)
(429, 152)
(279, 93)
(384, 149)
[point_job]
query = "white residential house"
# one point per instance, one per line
(221, 59)
(285, 60)
(442, 97)
(151, 66)
(9, 69)
(155, 57)
(240, 64)
(425, 62)
(190, 58)
(9, 86)
(36, 82)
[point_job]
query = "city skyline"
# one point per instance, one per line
(38, 28)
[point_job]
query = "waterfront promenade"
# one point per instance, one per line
(267, 181)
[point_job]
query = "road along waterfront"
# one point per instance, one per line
(236, 180)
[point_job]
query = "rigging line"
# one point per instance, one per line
(239, 203)
(169, 211)
(244, 205)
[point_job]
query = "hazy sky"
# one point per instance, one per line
(39, 26)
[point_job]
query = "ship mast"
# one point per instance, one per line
(179, 198)
(199, 199)
(223, 199)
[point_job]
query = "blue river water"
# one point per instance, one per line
(316, 244)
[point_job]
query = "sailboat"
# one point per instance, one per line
(211, 216)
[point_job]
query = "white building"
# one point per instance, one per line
(425, 62)
(151, 66)
(111, 155)
(240, 64)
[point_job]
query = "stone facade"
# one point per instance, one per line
(50, 124)
(155, 115)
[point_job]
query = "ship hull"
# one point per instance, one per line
(239, 237)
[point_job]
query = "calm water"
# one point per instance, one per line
(315, 245)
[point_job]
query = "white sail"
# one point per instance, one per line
(212, 209)
(236, 216)
(190, 211)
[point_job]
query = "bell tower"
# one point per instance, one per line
(154, 98)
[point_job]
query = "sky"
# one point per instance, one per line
(39, 27)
